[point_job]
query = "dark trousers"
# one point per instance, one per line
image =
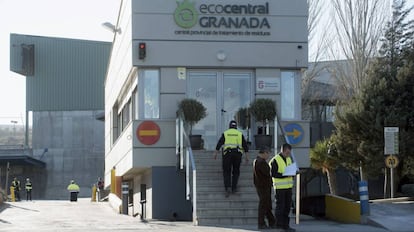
(28, 195)
(16, 195)
(231, 169)
(73, 196)
(265, 206)
(283, 204)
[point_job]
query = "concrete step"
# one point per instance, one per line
(210, 159)
(218, 168)
(226, 212)
(208, 172)
(214, 184)
(220, 187)
(218, 179)
(229, 220)
(214, 195)
(230, 202)
(213, 208)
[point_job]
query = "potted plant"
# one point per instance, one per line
(193, 111)
(243, 117)
(243, 120)
(264, 111)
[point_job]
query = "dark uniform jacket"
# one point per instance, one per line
(275, 167)
(261, 174)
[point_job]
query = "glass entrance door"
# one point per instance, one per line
(223, 93)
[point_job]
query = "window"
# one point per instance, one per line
(151, 93)
(134, 104)
(329, 114)
(319, 113)
(114, 124)
(119, 122)
(288, 95)
(126, 114)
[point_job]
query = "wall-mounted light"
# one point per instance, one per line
(221, 56)
(111, 27)
(142, 50)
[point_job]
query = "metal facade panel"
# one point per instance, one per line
(69, 73)
(230, 34)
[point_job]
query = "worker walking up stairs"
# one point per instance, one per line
(213, 207)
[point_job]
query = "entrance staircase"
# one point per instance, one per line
(213, 208)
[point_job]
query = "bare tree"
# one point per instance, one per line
(315, 40)
(317, 50)
(358, 27)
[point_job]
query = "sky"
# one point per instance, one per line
(77, 19)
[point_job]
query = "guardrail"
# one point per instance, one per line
(183, 146)
(12, 147)
(15, 150)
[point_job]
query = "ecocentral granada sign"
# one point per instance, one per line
(246, 17)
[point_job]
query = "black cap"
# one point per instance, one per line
(233, 124)
(264, 149)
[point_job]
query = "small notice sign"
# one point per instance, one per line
(391, 140)
(268, 84)
(181, 72)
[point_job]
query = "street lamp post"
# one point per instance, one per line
(14, 127)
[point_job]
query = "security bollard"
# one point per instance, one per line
(93, 198)
(125, 198)
(363, 197)
(12, 195)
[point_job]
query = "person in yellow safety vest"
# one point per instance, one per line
(234, 145)
(282, 186)
(73, 188)
(16, 185)
(28, 187)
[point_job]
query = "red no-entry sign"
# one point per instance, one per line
(148, 132)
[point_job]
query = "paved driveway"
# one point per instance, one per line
(91, 216)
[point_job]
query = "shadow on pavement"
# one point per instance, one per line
(6, 205)
(3, 207)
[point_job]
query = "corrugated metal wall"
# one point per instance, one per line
(69, 73)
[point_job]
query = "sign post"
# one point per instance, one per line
(391, 149)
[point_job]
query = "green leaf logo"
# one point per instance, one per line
(185, 14)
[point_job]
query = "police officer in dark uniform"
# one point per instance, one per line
(234, 144)
(28, 186)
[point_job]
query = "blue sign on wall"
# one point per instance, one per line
(294, 133)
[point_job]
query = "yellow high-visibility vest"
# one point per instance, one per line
(285, 182)
(29, 186)
(232, 139)
(16, 185)
(73, 188)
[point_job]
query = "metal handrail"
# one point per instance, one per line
(191, 191)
